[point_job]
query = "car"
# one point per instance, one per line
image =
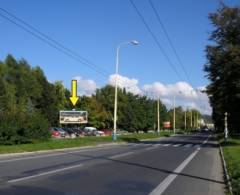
(60, 130)
(107, 132)
(79, 132)
(92, 131)
(55, 134)
(70, 133)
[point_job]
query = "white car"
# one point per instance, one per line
(93, 131)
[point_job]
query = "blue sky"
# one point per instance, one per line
(94, 28)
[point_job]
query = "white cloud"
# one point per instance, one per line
(131, 85)
(86, 86)
(185, 95)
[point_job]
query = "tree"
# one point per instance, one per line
(223, 67)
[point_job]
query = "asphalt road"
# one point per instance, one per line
(178, 165)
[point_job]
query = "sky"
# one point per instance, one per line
(94, 28)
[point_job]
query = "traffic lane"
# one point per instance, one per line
(138, 173)
(204, 175)
(181, 139)
(28, 167)
(22, 167)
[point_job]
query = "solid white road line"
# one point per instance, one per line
(44, 173)
(121, 155)
(167, 181)
(170, 178)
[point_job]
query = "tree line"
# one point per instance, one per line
(223, 67)
(30, 105)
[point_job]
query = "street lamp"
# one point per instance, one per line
(133, 42)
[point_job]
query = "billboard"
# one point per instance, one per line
(73, 117)
(167, 125)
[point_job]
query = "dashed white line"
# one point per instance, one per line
(166, 144)
(44, 173)
(176, 145)
(121, 155)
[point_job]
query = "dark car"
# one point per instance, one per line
(70, 132)
(79, 132)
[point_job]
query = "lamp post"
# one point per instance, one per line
(134, 42)
(174, 115)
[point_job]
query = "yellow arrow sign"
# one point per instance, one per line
(74, 97)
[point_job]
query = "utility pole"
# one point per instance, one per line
(197, 121)
(174, 113)
(185, 120)
(158, 113)
(191, 121)
(226, 126)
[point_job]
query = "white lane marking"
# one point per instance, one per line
(188, 145)
(150, 148)
(47, 155)
(169, 179)
(121, 155)
(156, 145)
(176, 145)
(166, 144)
(44, 173)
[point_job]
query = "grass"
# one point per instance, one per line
(231, 151)
(77, 142)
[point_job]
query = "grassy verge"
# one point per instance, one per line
(77, 142)
(231, 151)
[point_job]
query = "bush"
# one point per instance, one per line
(20, 128)
(37, 128)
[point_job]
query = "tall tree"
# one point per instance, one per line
(223, 67)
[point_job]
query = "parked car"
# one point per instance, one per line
(60, 130)
(55, 134)
(70, 133)
(79, 132)
(92, 131)
(107, 132)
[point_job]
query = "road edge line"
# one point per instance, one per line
(227, 177)
(170, 178)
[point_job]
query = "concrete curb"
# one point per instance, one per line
(229, 185)
(23, 154)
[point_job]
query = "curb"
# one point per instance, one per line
(22, 154)
(229, 185)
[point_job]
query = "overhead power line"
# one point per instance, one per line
(169, 40)
(155, 39)
(51, 42)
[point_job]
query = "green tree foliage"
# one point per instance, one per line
(29, 104)
(223, 67)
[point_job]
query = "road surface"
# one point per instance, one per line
(183, 164)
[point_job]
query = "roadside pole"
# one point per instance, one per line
(225, 126)
(174, 113)
(191, 121)
(158, 127)
(185, 120)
